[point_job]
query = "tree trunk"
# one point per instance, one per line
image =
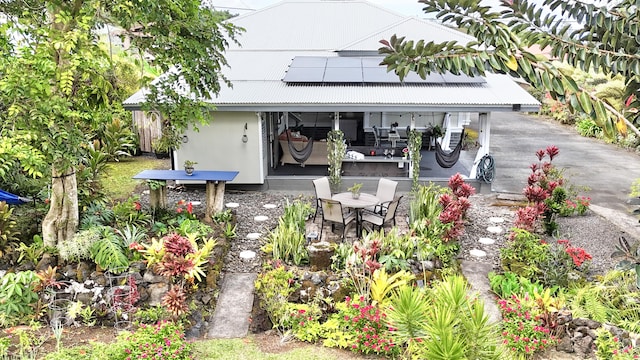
(215, 199)
(61, 222)
(158, 197)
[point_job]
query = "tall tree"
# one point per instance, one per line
(603, 38)
(54, 77)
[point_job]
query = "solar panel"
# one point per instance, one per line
(336, 69)
(343, 75)
(302, 74)
(308, 61)
(341, 62)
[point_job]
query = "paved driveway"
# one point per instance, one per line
(605, 169)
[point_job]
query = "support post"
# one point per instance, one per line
(484, 134)
(158, 197)
(215, 199)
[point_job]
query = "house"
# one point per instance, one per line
(313, 65)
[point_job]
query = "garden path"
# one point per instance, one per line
(233, 310)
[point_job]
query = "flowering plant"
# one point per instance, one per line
(369, 324)
(523, 332)
(405, 152)
(161, 341)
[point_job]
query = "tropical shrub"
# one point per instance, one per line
(610, 347)
(524, 254)
(8, 234)
(273, 287)
(523, 331)
(287, 241)
(17, 295)
(455, 326)
(164, 340)
(549, 194)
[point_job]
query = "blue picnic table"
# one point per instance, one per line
(214, 181)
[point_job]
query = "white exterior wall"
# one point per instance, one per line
(219, 146)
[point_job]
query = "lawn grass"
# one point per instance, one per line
(247, 349)
(118, 182)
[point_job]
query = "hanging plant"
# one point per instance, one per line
(337, 149)
(415, 144)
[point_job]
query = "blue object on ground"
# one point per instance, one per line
(12, 199)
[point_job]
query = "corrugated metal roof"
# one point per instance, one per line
(277, 34)
(311, 25)
(412, 29)
(499, 93)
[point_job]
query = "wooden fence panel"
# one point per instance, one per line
(149, 128)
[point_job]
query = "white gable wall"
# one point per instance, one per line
(219, 146)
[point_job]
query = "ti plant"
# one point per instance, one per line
(629, 255)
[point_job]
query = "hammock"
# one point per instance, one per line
(447, 160)
(12, 199)
(300, 155)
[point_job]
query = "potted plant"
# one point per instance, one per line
(355, 190)
(161, 147)
(188, 167)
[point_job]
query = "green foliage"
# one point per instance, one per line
(151, 315)
(129, 212)
(17, 294)
(588, 128)
(32, 252)
(521, 321)
(629, 257)
(287, 241)
(457, 325)
(415, 145)
(608, 346)
(223, 216)
(408, 313)
(336, 150)
(79, 247)
(96, 214)
(508, 284)
(505, 36)
(524, 254)
(109, 252)
(273, 287)
(384, 286)
(396, 250)
(8, 235)
(162, 341)
(115, 138)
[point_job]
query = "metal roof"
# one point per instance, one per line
(279, 33)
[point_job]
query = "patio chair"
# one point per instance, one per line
(378, 220)
(323, 190)
(385, 192)
(333, 213)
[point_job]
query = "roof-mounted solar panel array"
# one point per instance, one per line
(342, 70)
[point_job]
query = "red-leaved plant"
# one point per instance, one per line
(455, 206)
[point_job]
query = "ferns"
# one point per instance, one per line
(588, 303)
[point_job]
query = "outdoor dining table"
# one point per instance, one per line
(364, 200)
(215, 185)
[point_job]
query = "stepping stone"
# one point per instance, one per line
(269, 206)
(233, 310)
(247, 254)
(232, 205)
(496, 220)
(253, 236)
(486, 241)
(261, 218)
(196, 203)
(477, 253)
(494, 229)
